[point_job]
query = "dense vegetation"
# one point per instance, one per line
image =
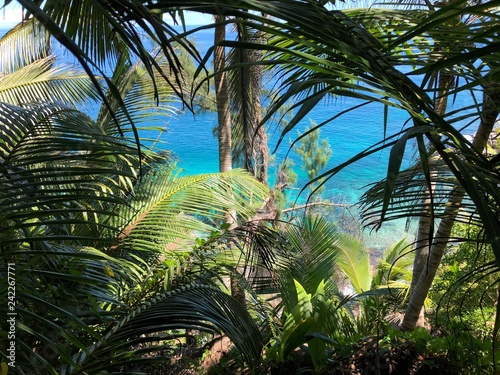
(111, 262)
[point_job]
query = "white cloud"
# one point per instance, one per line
(11, 14)
(194, 18)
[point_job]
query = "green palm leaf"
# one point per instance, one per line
(195, 307)
(166, 209)
(354, 261)
(53, 162)
(42, 81)
(62, 293)
(394, 265)
(313, 248)
(79, 26)
(138, 90)
(24, 44)
(244, 90)
(410, 196)
(29, 73)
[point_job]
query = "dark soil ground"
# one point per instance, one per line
(365, 358)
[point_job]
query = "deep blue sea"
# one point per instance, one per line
(191, 139)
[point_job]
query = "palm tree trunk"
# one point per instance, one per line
(259, 141)
(431, 260)
(424, 239)
(224, 131)
(426, 223)
(428, 258)
(222, 99)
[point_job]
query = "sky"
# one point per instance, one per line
(11, 15)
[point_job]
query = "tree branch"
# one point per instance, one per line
(315, 204)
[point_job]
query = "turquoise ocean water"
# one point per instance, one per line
(191, 139)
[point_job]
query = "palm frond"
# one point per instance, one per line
(166, 209)
(394, 264)
(244, 91)
(309, 256)
(42, 81)
(64, 294)
(373, 77)
(354, 260)
(79, 26)
(57, 166)
(137, 88)
(410, 197)
(195, 307)
(24, 44)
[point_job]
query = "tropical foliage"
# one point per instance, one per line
(115, 255)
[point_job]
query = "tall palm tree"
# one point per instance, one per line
(224, 133)
(431, 242)
(246, 89)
